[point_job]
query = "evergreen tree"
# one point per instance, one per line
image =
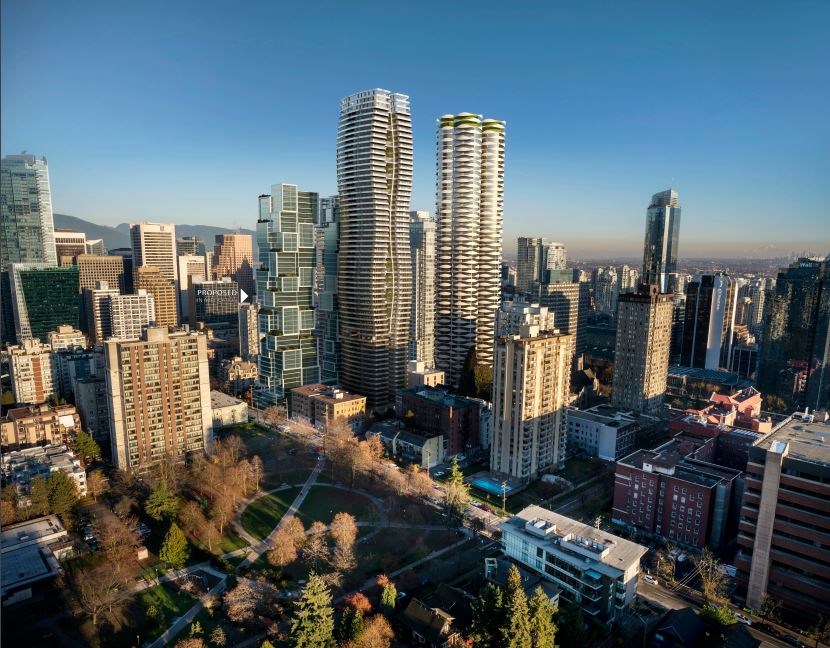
(573, 633)
(175, 549)
(313, 622)
(39, 496)
(388, 594)
(456, 493)
(351, 625)
(63, 493)
(162, 503)
(542, 627)
(488, 615)
(86, 447)
(516, 629)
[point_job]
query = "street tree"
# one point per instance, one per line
(516, 630)
(99, 591)
(542, 627)
(175, 549)
(376, 633)
(712, 576)
(63, 493)
(312, 623)
(456, 493)
(718, 614)
(820, 631)
(283, 549)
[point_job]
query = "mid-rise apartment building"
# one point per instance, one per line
(98, 318)
(129, 315)
(594, 569)
(32, 374)
(604, 432)
(531, 384)
(158, 390)
(20, 467)
(23, 427)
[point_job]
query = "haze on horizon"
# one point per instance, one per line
(196, 109)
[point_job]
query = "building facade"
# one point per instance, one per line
(709, 322)
(32, 372)
(163, 292)
(42, 298)
(322, 405)
(326, 327)
(129, 315)
(158, 391)
(598, 432)
(606, 290)
(794, 364)
(285, 281)
(98, 319)
(642, 349)
(374, 284)
(469, 211)
(422, 319)
(154, 244)
(24, 427)
(569, 302)
(190, 266)
(594, 569)
(785, 519)
(93, 268)
(233, 257)
(661, 242)
(436, 410)
(531, 384)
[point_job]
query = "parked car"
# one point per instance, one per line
(648, 578)
(743, 619)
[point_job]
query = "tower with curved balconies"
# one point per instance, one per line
(374, 180)
(469, 207)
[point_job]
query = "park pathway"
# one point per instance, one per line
(259, 548)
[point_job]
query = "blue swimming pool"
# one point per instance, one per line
(490, 484)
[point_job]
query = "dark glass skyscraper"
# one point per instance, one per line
(796, 347)
(709, 322)
(660, 247)
(43, 298)
(326, 328)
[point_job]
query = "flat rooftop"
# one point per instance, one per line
(327, 393)
(806, 440)
(621, 554)
(40, 530)
(220, 399)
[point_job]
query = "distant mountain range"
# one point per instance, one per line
(119, 236)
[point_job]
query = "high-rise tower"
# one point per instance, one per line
(709, 322)
(233, 257)
(422, 321)
(794, 363)
(285, 280)
(326, 327)
(660, 247)
(154, 244)
(27, 230)
(374, 179)
(470, 198)
(641, 356)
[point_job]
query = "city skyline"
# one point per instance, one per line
(585, 137)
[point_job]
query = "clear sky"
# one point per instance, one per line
(186, 111)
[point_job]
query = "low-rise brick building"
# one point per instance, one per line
(322, 405)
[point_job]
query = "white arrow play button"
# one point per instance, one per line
(242, 295)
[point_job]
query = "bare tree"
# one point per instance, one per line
(223, 509)
(770, 608)
(316, 549)
(343, 530)
(420, 485)
(665, 566)
(820, 632)
(99, 590)
(275, 415)
(241, 601)
(294, 528)
(96, 484)
(283, 550)
(257, 471)
(712, 576)
(377, 633)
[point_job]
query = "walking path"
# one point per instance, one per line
(185, 620)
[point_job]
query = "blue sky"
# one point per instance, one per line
(186, 111)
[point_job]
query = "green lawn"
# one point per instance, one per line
(322, 504)
(392, 549)
(231, 541)
(168, 604)
(260, 518)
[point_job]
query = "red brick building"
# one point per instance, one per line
(434, 409)
(667, 492)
